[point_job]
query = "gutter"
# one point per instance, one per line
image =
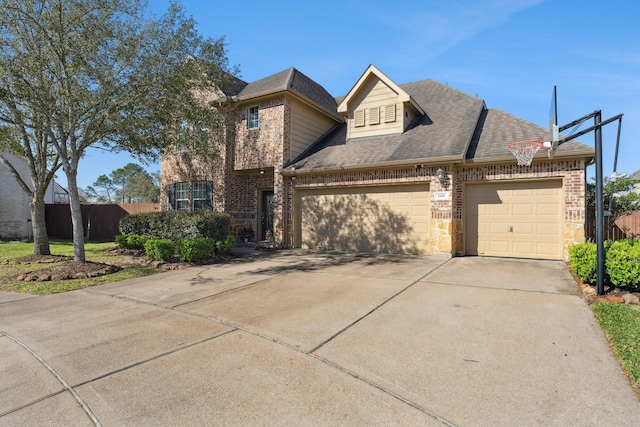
(291, 170)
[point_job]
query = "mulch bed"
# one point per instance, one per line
(65, 271)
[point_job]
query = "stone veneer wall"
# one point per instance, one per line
(572, 173)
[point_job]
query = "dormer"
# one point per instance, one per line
(377, 106)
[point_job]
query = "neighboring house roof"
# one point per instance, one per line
(635, 175)
(293, 81)
(455, 127)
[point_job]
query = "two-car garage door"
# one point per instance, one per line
(515, 219)
(382, 219)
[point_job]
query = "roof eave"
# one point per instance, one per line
(291, 170)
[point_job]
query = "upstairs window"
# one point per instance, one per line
(253, 118)
(192, 137)
(183, 137)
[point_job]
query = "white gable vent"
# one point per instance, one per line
(374, 115)
(359, 118)
(389, 113)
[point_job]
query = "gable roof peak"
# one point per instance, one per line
(372, 70)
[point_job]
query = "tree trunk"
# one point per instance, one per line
(40, 236)
(76, 219)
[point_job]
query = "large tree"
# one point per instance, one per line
(85, 73)
(128, 184)
(624, 199)
(23, 137)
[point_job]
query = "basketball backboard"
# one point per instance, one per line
(554, 132)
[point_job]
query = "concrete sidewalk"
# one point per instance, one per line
(294, 337)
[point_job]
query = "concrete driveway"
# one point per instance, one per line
(303, 338)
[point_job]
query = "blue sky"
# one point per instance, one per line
(508, 52)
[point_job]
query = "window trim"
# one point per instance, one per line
(253, 117)
(203, 197)
(203, 189)
(180, 191)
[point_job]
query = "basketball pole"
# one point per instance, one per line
(597, 128)
(599, 204)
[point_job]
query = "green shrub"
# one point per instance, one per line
(190, 250)
(131, 241)
(136, 241)
(623, 264)
(177, 225)
(159, 249)
(583, 261)
(121, 240)
(224, 247)
(136, 224)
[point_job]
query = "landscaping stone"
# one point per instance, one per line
(615, 300)
(631, 299)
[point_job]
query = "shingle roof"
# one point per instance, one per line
(496, 129)
(442, 133)
(232, 85)
(456, 126)
(636, 175)
(294, 81)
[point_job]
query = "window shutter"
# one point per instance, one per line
(209, 202)
(172, 196)
(359, 118)
(374, 115)
(389, 113)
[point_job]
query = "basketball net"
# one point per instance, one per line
(524, 151)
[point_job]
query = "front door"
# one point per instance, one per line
(266, 222)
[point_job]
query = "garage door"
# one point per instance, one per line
(390, 219)
(521, 220)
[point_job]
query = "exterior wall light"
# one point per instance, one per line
(440, 176)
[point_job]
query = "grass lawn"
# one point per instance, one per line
(95, 252)
(621, 324)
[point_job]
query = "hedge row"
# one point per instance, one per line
(192, 236)
(177, 225)
(622, 263)
(187, 250)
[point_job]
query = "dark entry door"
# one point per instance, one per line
(267, 214)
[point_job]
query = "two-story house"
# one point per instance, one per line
(417, 168)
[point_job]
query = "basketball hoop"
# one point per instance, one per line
(524, 151)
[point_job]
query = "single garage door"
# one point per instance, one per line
(518, 219)
(389, 219)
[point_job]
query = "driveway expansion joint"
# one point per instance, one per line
(59, 377)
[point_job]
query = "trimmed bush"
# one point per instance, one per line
(131, 241)
(224, 247)
(177, 225)
(121, 240)
(136, 224)
(159, 249)
(583, 261)
(136, 241)
(190, 250)
(623, 264)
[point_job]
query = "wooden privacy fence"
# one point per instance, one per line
(625, 227)
(100, 222)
